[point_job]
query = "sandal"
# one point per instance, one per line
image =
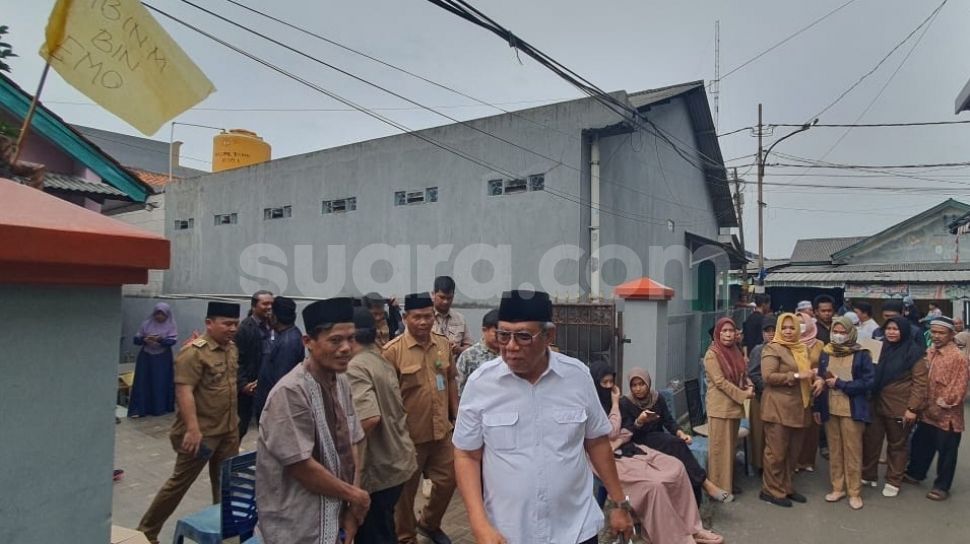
(708, 537)
(722, 497)
(937, 495)
(834, 497)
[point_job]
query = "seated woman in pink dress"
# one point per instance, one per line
(657, 484)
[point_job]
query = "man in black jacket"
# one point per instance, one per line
(254, 340)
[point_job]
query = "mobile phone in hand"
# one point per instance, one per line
(204, 453)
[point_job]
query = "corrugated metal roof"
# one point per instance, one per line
(840, 277)
(894, 267)
(652, 96)
(62, 182)
(820, 250)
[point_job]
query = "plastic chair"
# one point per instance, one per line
(239, 496)
(234, 516)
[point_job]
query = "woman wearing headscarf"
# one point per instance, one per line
(787, 372)
(898, 396)
(657, 484)
(153, 392)
(645, 414)
(728, 387)
(843, 408)
(808, 450)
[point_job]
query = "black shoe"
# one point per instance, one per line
(437, 536)
(797, 497)
(777, 502)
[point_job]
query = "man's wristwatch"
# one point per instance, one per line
(625, 505)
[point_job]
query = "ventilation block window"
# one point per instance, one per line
(226, 219)
(277, 213)
(340, 205)
(407, 198)
(537, 182)
(513, 186)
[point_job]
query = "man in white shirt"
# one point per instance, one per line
(529, 426)
(867, 325)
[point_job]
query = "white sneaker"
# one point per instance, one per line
(870, 483)
(890, 490)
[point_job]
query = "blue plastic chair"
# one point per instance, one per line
(235, 515)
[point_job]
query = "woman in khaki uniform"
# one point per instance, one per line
(844, 410)
(728, 387)
(788, 376)
(808, 451)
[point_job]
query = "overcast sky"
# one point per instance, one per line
(618, 44)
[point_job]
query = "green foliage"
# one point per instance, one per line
(6, 50)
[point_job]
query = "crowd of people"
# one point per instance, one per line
(371, 398)
(845, 388)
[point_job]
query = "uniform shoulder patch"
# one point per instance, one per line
(199, 342)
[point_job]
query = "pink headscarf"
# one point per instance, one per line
(811, 331)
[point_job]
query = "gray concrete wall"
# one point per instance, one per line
(151, 220)
(313, 254)
(207, 258)
(57, 401)
(644, 183)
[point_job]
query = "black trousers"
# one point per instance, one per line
(928, 441)
(245, 411)
(378, 526)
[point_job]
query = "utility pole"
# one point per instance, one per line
(761, 203)
(739, 207)
(716, 84)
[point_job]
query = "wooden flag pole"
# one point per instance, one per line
(30, 114)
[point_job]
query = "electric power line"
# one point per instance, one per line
(418, 104)
(870, 125)
(881, 61)
(481, 162)
(785, 40)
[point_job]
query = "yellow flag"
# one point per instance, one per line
(118, 55)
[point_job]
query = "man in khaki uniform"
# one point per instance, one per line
(387, 454)
(428, 387)
(449, 322)
(205, 430)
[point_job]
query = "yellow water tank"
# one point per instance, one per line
(238, 148)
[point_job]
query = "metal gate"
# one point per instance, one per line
(589, 331)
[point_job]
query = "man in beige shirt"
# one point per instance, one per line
(205, 430)
(429, 389)
(449, 322)
(306, 463)
(387, 453)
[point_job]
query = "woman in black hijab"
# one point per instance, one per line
(898, 394)
(604, 377)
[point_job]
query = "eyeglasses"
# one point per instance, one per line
(522, 338)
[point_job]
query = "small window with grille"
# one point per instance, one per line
(282, 212)
(341, 205)
(226, 219)
(537, 182)
(513, 186)
(184, 224)
(407, 198)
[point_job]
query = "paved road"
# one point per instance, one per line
(143, 451)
